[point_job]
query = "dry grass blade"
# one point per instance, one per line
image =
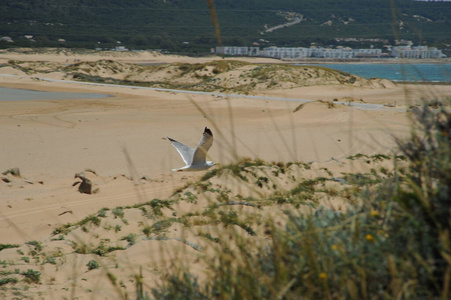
(214, 18)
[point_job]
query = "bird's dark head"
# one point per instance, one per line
(208, 131)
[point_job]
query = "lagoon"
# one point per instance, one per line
(9, 94)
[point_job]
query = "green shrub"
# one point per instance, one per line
(7, 280)
(32, 275)
(7, 246)
(90, 219)
(92, 264)
(36, 244)
(118, 212)
(131, 238)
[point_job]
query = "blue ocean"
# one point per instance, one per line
(398, 72)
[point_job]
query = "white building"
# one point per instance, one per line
(120, 48)
(416, 52)
(286, 52)
(6, 39)
(298, 52)
(227, 50)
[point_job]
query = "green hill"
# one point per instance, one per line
(186, 26)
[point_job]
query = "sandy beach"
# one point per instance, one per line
(122, 139)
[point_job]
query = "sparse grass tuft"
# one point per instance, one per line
(131, 238)
(118, 212)
(7, 280)
(7, 246)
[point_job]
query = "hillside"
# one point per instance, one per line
(187, 27)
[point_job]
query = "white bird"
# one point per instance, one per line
(195, 158)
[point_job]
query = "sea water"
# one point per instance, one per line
(397, 72)
(8, 94)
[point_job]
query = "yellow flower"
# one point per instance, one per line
(334, 247)
(323, 276)
(369, 238)
(374, 213)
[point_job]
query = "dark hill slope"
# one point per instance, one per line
(186, 25)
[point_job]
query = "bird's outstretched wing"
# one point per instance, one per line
(202, 148)
(185, 151)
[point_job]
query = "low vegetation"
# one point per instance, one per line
(6, 246)
(217, 76)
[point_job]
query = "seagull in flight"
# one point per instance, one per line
(195, 158)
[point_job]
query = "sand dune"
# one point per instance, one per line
(122, 139)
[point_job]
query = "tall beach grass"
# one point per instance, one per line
(394, 242)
